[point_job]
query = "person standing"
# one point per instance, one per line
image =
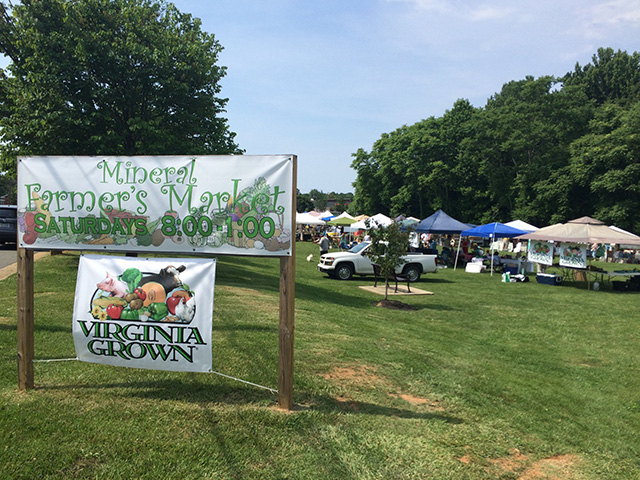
(324, 244)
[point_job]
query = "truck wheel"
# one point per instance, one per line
(413, 272)
(344, 272)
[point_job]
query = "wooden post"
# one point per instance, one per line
(25, 319)
(287, 309)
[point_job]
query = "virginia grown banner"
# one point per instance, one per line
(540, 252)
(573, 255)
(153, 313)
(240, 205)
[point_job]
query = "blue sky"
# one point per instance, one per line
(321, 79)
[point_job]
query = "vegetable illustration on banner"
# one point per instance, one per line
(146, 313)
(573, 255)
(541, 252)
(237, 205)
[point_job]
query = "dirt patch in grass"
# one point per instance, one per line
(419, 401)
(557, 467)
(284, 411)
(367, 377)
(394, 305)
(513, 463)
(360, 375)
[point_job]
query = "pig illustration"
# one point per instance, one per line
(111, 284)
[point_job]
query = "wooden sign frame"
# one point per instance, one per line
(25, 313)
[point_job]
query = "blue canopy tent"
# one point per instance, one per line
(440, 223)
(492, 230)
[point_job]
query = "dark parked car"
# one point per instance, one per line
(8, 224)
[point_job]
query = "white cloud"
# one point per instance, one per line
(617, 11)
(601, 20)
(322, 79)
(442, 6)
(489, 12)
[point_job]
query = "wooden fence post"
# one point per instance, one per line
(287, 309)
(25, 319)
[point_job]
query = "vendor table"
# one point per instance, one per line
(611, 275)
(592, 275)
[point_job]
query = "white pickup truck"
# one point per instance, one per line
(344, 265)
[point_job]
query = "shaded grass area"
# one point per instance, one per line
(482, 380)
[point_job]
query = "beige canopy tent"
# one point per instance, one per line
(582, 230)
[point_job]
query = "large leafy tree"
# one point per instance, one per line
(450, 182)
(611, 77)
(520, 138)
(304, 203)
(606, 164)
(319, 199)
(542, 149)
(368, 179)
(412, 170)
(117, 77)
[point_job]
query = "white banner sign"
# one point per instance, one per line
(153, 313)
(540, 252)
(573, 255)
(239, 205)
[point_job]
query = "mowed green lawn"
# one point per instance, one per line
(483, 380)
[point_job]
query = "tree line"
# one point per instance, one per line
(319, 200)
(542, 150)
(109, 77)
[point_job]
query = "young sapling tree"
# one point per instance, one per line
(388, 247)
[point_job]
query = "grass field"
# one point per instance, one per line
(483, 380)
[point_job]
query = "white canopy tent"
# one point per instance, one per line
(374, 222)
(324, 214)
(520, 225)
(308, 219)
(630, 246)
(344, 215)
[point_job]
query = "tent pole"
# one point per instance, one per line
(492, 250)
(455, 265)
(493, 241)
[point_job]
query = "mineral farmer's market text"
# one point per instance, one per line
(135, 341)
(177, 185)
